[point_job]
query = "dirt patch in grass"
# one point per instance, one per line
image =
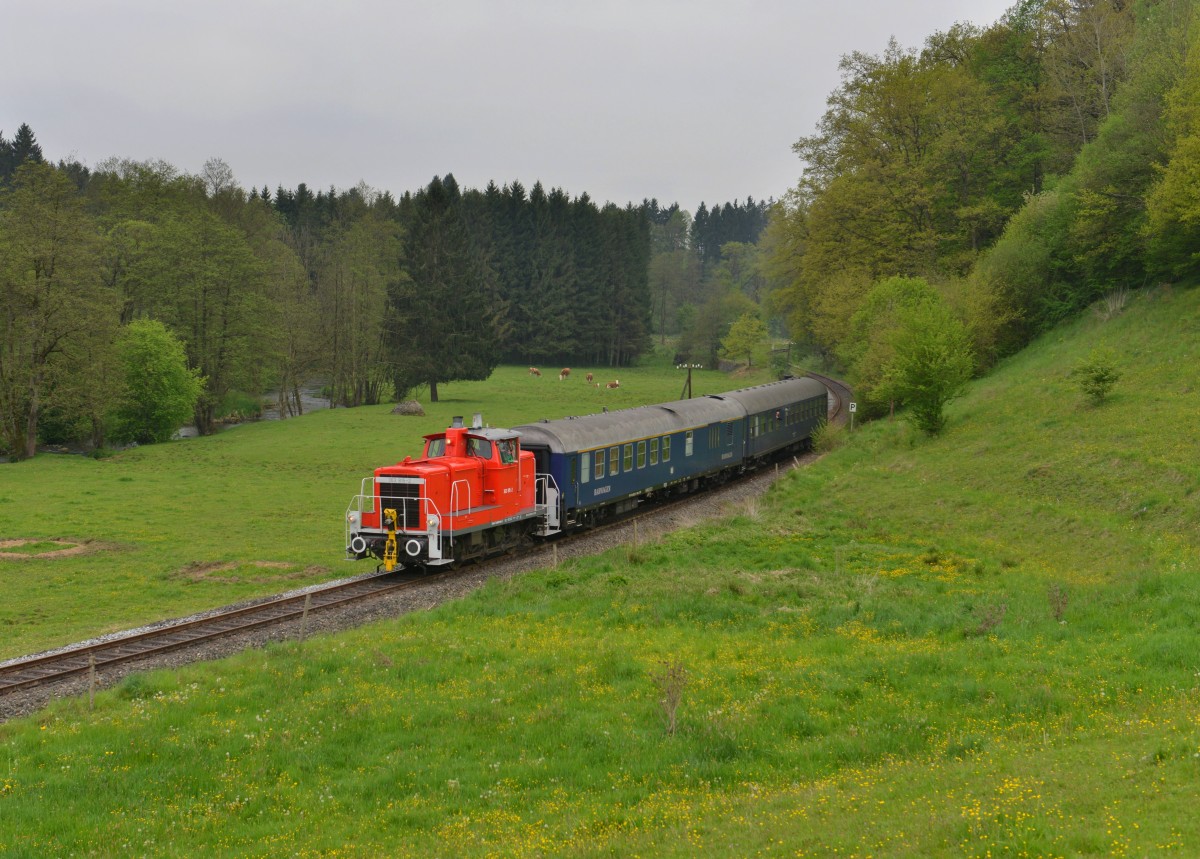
(226, 571)
(21, 550)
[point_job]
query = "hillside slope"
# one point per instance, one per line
(980, 645)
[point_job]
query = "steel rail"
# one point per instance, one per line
(24, 673)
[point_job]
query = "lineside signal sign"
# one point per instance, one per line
(854, 407)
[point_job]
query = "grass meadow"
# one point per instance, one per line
(175, 528)
(981, 645)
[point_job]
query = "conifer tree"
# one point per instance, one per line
(449, 318)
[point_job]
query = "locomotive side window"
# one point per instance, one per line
(614, 460)
(628, 457)
(641, 454)
(436, 448)
(654, 451)
(599, 464)
(508, 451)
(666, 448)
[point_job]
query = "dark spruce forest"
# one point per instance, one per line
(969, 193)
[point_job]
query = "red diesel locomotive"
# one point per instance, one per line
(470, 495)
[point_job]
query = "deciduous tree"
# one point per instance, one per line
(160, 392)
(932, 364)
(50, 294)
(746, 336)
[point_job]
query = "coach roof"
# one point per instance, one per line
(773, 395)
(610, 428)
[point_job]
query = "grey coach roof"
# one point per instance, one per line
(609, 428)
(772, 395)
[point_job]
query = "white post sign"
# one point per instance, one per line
(853, 409)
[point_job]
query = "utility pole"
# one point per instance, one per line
(686, 393)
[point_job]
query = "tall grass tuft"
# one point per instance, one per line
(670, 680)
(828, 437)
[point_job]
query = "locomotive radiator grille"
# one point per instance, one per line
(404, 496)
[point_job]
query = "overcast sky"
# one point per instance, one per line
(622, 99)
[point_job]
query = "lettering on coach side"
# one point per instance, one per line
(602, 490)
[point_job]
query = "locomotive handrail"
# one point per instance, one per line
(456, 509)
(542, 483)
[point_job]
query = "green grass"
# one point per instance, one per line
(36, 547)
(980, 645)
(163, 523)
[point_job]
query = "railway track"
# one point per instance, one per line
(223, 623)
(72, 662)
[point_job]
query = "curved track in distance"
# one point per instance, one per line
(841, 396)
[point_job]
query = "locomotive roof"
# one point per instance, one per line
(491, 433)
(609, 428)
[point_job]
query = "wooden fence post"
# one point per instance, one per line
(304, 617)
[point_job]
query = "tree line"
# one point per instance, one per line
(959, 198)
(1004, 178)
(257, 290)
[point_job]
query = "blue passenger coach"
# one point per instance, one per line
(605, 463)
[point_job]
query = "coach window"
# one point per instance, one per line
(687, 444)
(614, 461)
(654, 451)
(599, 464)
(641, 454)
(585, 468)
(666, 448)
(628, 465)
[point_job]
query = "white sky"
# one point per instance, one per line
(622, 99)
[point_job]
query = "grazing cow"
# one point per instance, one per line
(534, 371)
(616, 383)
(589, 377)
(563, 373)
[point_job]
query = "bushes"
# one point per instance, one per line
(160, 389)
(1096, 375)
